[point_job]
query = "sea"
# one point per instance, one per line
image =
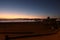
(17, 21)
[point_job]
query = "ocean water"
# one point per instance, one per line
(17, 21)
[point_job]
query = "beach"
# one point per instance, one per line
(30, 30)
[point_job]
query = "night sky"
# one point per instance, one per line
(29, 8)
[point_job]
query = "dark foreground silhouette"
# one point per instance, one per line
(16, 32)
(27, 36)
(46, 26)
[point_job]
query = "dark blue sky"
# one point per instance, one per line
(30, 8)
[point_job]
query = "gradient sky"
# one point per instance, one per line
(29, 8)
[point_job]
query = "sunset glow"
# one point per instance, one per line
(12, 16)
(10, 9)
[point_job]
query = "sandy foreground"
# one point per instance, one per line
(48, 37)
(31, 27)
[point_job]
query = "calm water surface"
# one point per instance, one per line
(17, 21)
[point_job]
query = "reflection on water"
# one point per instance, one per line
(17, 21)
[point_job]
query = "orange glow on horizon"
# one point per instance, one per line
(17, 15)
